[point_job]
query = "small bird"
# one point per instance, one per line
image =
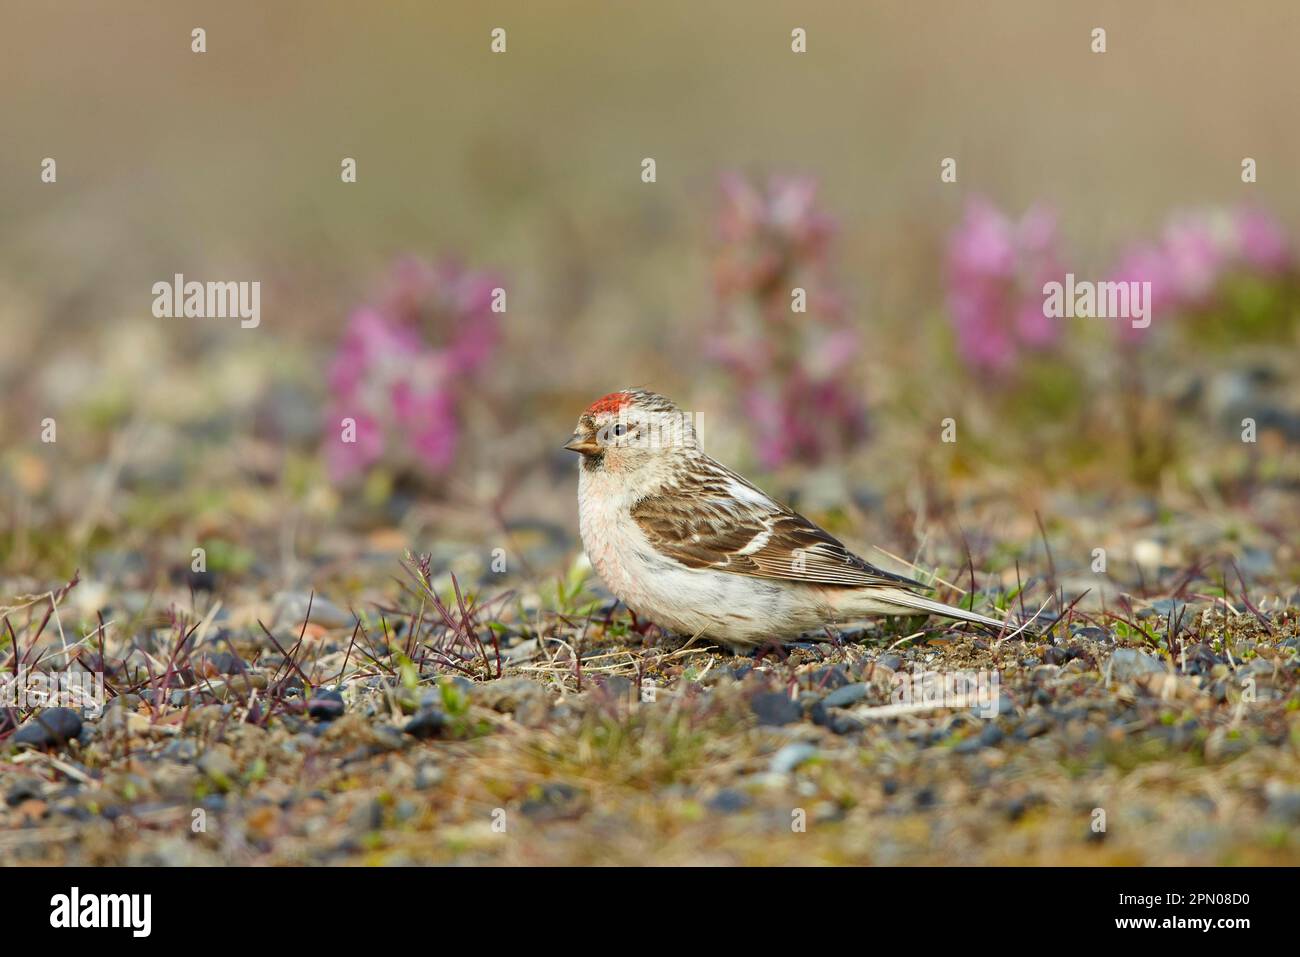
(689, 544)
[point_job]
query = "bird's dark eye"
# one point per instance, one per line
(619, 429)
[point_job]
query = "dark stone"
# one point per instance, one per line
(201, 581)
(226, 663)
(1033, 727)
(989, 737)
(326, 705)
(846, 724)
(729, 801)
(845, 696)
(74, 811)
(51, 728)
(775, 708)
(1017, 808)
(24, 790)
(182, 750)
(828, 679)
(891, 661)
(1285, 806)
(1056, 656)
(427, 723)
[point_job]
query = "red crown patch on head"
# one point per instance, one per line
(610, 403)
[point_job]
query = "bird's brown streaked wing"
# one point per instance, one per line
(764, 540)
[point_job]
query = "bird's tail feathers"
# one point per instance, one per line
(919, 603)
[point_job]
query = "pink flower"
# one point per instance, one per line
(996, 269)
(765, 234)
(1149, 263)
(345, 459)
(787, 367)
(1198, 250)
(448, 304)
(769, 424)
(429, 419)
(404, 369)
(1262, 242)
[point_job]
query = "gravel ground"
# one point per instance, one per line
(414, 744)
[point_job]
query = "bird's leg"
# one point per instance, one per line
(639, 626)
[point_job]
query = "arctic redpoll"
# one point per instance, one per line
(694, 547)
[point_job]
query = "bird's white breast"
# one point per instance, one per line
(615, 544)
(741, 609)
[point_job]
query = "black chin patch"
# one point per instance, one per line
(594, 463)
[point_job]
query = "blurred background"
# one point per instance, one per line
(522, 172)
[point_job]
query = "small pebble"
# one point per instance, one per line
(791, 756)
(845, 696)
(51, 728)
(729, 801)
(1129, 663)
(774, 708)
(326, 705)
(427, 723)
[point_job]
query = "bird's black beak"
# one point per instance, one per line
(584, 443)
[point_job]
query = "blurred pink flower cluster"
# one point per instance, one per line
(996, 268)
(1197, 250)
(405, 367)
(788, 367)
